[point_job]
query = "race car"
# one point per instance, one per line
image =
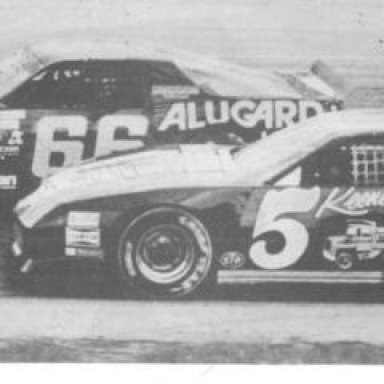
(62, 102)
(169, 221)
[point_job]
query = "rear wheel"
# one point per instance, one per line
(165, 252)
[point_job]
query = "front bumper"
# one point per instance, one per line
(30, 248)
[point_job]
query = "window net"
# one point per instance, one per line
(368, 164)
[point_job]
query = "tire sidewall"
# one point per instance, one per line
(130, 275)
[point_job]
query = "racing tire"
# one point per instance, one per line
(165, 253)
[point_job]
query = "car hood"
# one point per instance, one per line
(190, 166)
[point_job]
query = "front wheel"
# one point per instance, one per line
(165, 252)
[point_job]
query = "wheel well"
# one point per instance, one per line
(128, 218)
(220, 218)
(220, 222)
(131, 225)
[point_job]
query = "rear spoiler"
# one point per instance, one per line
(320, 83)
(329, 76)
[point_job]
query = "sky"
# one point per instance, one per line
(241, 29)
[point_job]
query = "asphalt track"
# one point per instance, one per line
(191, 322)
(73, 315)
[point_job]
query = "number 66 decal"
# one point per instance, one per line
(268, 219)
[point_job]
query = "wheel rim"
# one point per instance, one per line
(165, 254)
(344, 261)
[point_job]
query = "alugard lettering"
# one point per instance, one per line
(272, 114)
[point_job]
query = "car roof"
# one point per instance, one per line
(224, 77)
(101, 49)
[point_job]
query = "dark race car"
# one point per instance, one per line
(168, 221)
(67, 101)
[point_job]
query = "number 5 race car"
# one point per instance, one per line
(64, 102)
(303, 205)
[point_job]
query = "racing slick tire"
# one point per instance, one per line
(165, 252)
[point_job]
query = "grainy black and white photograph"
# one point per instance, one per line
(196, 182)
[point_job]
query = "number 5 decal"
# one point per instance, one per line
(268, 219)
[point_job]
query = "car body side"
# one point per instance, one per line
(275, 222)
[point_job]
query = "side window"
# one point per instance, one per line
(62, 85)
(127, 84)
(328, 167)
(357, 162)
(367, 164)
(118, 84)
(166, 73)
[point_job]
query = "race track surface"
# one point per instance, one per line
(191, 322)
(73, 315)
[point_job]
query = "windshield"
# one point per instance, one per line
(17, 68)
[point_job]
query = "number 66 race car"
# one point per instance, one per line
(66, 101)
(303, 205)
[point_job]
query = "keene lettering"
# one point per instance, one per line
(351, 202)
